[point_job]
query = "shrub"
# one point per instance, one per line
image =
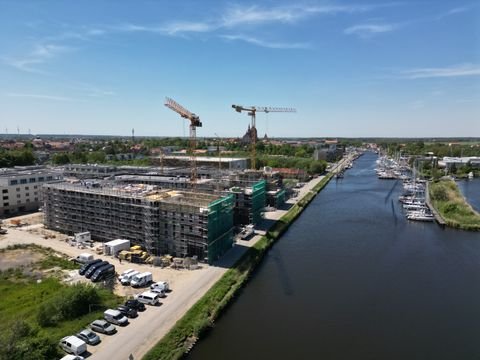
(72, 302)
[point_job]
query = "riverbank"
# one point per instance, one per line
(200, 318)
(447, 200)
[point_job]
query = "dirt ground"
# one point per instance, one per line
(30, 219)
(18, 258)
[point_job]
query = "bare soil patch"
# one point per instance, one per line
(19, 258)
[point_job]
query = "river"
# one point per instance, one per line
(471, 190)
(353, 279)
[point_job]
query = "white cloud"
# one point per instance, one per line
(454, 11)
(40, 96)
(186, 26)
(367, 30)
(267, 44)
(451, 71)
(40, 54)
(238, 15)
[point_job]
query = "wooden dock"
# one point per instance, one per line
(438, 217)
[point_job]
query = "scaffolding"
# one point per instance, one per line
(220, 227)
(172, 222)
(258, 198)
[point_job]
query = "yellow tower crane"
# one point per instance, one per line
(194, 123)
(251, 111)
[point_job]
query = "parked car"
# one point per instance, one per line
(126, 279)
(72, 357)
(159, 291)
(73, 345)
(88, 336)
(115, 317)
(91, 270)
(162, 285)
(102, 326)
(149, 298)
(127, 311)
(87, 265)
(135, 304)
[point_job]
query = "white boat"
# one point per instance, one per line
(419, 216)
(414, 206)
(470, 175)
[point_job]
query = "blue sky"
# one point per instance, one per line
(350, 68)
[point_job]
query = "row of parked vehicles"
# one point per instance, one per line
(136, 279)
(76, 345)
(97, 270)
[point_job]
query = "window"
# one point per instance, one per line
(41, 178)
(6, 204)
(36, 199)
(49, 178)
(26, 187)
(18, 195)
(5, 197)
(23, 181)
(27, 194)
(31, 180)
(13, 182)
(35, 187)
(18, 189)
(5, 191)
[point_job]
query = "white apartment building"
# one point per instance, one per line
(21, 188)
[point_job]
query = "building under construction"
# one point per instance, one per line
(165, 221)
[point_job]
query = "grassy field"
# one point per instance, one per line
(200, 318)
(452, 206)
(27, 293)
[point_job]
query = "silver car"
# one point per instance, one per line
(88, 336)
(103, 327)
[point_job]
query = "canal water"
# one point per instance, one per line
(471, 190)
(352, 279)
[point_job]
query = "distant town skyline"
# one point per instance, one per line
(350, 68)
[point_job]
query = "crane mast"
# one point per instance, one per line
(194, 123)
(251, 111)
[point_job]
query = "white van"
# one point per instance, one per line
(126, 279)
(72, 357)
(142, 279)
(84, 258)
(125, 273)
(161, 285)
(149, 298)
(73, 345)
(115, 317)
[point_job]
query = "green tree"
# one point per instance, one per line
(60, 158)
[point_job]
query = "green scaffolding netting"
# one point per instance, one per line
(280, 198)
(258, 200)
(220, 227)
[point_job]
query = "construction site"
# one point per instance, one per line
(191, 209)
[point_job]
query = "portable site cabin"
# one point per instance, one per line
(115, 246)
(83, 237)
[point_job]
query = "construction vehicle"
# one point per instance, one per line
(194, 123)
(136, 254)
(251, 111)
